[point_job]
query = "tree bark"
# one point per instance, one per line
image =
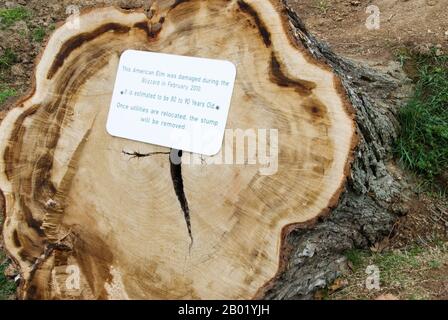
(372, 201)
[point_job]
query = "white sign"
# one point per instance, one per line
(173, 101)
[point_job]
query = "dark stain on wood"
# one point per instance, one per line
(246, 8)
(41, 175)
(178, 2)
(151, 30)
(303, 87)
(32, 293)
(15, 238)
(77, 41)
(26, 256)
(12, 154)
(316, 109)
(31, 222)
(94, 258)
(37, 184)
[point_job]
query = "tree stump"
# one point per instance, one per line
(88, 216)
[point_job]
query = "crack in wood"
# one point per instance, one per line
(137, 154)
(176, 176)
(265, 34)
(178, 183)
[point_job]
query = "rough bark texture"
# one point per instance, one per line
(365, 213)
(76, 197)
(313, 256)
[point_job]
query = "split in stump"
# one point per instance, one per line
(89, 216)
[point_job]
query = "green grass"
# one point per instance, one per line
(392, 261)
(7, 287)
(435, 264)
(422, 146)
(321, 5)
(356, 257)
(5, 94)
(7, 59)
(388, 262)
(9, 17)
(404, 272)
(39, 34)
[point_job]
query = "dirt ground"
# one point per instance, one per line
(414, 24)
(420, 24)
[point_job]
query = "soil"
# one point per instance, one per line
(18, 38)
(425, 221)
(437, 282)
(416, 24)
(423, 217)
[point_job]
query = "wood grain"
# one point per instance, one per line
(74, 200)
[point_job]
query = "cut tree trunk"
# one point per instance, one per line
(373, 199)
(88, 215)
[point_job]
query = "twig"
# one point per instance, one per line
(137, 154)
